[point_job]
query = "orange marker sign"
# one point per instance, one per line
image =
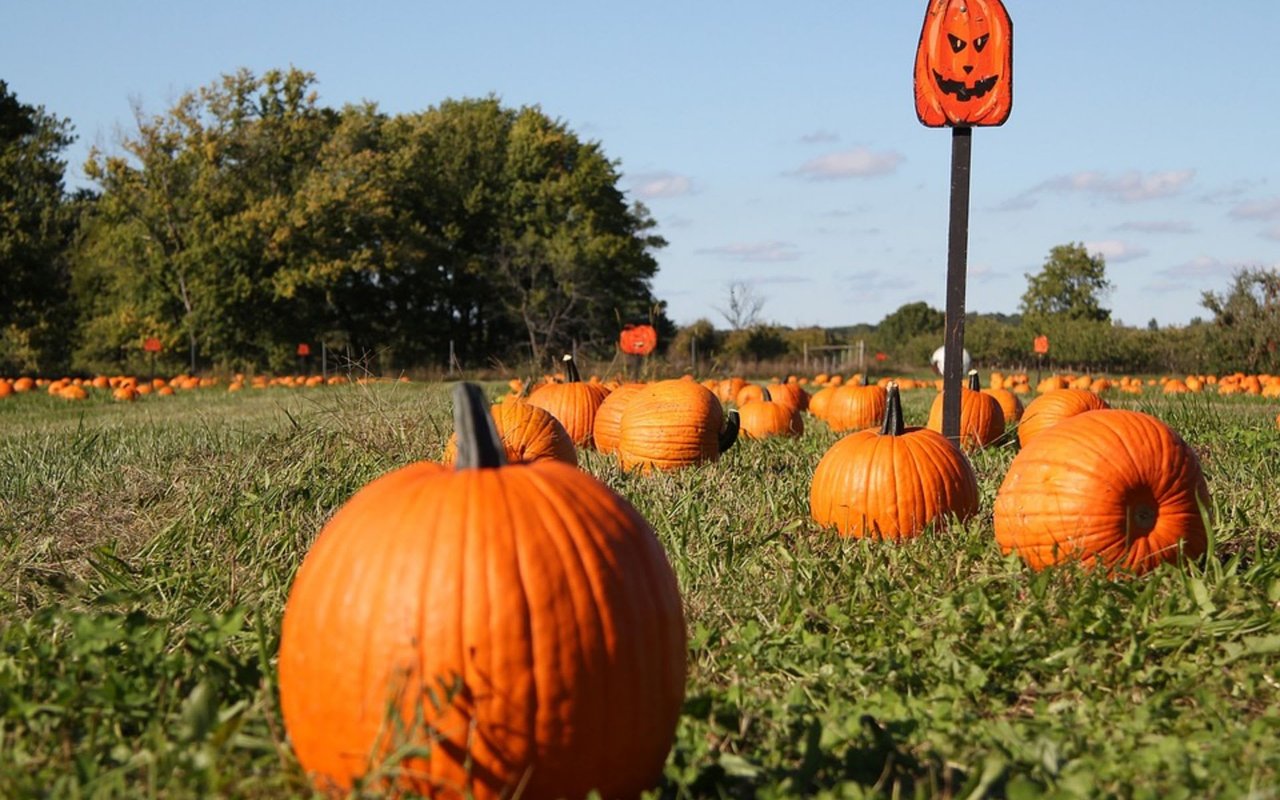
(1042, 344)
(964, 64)
(638, 340)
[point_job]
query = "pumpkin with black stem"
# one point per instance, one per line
(1113, 489)
(893, 482)
(672, 424)
(573, 402)
(528, 434)
(1054, 406)
(483, 631)
(964, 64)
(981, 418)
(760, 419)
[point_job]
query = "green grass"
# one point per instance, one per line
(146, 552)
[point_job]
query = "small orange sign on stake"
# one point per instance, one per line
(638, 340)
(1042, 344)
(152, 345)
(304, 350)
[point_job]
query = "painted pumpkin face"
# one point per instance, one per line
(964, 64)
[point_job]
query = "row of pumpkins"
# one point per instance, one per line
(128, 388)
(506, 624)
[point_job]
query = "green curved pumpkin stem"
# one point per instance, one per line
(893, 425)
(479, 446)
(571, 374)
(730, 433)
(974, 383)
(764, 394)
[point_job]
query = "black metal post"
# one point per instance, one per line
(957, 268)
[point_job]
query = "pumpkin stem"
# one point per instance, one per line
(764, 394)
(479, 446)
(730, 433)
(893, 425)
(571, 374)
(974, 383)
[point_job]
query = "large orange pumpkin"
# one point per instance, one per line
(672, 424)
(485, 631)
(856, 407)
(892, 483)
(607, 431)
(964, 64)
(1111, 488)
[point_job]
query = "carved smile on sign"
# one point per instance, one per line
(964, 64)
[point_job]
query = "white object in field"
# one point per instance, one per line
(937, 360)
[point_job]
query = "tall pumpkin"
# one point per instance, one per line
(892, 483)
(573, 402)
(981, 418)
(964, 64)
(494, 626)
(672, 424)
(1111, 488)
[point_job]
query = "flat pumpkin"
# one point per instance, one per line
(1114, 489)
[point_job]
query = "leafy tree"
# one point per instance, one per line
(1247, 320)
(909, 321)
(36, 223)
(1070, 285)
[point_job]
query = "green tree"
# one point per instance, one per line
(36, 224)
(1246, 320)
(908, 321)
(1070, 285)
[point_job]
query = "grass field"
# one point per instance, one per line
(146, 551)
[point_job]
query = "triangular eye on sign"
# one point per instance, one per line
(964, 64)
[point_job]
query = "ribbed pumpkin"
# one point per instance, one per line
(819, 404)
(573, 402)
(855, 407)
(892, 483)
(672, 424)
(495, 625)
(760, 419)
(792, 395)
(981, 418)
(608, 425)
(528, 434)
(1111, 488)
(1053, 406)
(727, 390)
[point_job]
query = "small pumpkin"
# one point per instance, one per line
(964, 64)
(1010, 405)
(1052, 407)
(1114, 489)
(893, 482)
(672, 424)
(573, 402)
(856, 407)
(480, 631)
(981, 418)
(760, 419)
(528, 434)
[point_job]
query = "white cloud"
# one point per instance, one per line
(1127, 187)
(1257, 209)
(1115, 250)
(1272, 233)
(860, 162)
(1157, 226)
(755, 251)
(654, 185)
(1202, 268)
(780, 280)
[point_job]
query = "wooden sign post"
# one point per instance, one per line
(963, 79)
(638, 341)
(1042, 350)
(152, 345)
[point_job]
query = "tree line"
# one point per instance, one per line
(248, 218)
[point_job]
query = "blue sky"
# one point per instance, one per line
(776, 143)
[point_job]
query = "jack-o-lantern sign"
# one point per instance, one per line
(638, 340)
(964, 64)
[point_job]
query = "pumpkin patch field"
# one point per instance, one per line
(149, 550)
